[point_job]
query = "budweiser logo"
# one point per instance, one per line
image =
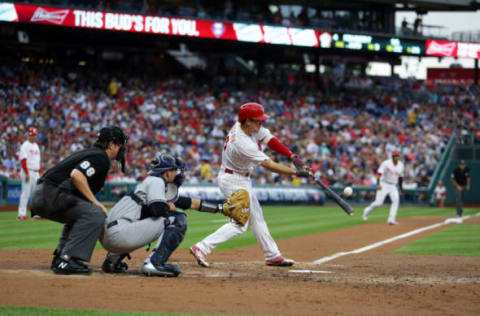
(42, 15)
(441, 49)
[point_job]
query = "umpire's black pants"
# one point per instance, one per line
(83, 220)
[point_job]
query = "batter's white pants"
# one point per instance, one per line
(380, 196)
(229, 183)
(27, 189)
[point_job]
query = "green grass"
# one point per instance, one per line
(44, 311)
(283, 221)
(458, 240)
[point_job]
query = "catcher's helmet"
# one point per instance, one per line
(164, 162)
(252, 111)
(112, 134)
(32, 131)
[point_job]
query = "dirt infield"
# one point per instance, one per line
(376, 282)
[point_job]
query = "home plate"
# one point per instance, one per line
(453, 220)
(310, 271)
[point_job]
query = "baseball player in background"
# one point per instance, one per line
(389, 175)
(240, 155)
(30, 162)
(150, 213)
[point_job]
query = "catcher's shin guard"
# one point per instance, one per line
(170, 239)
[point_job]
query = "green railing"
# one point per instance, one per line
(439, 172)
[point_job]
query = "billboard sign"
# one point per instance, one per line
(452, 49)
(161, 25)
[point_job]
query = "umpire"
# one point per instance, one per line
(66, 194)
(461, 181)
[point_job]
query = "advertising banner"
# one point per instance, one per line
(13, 193)
(190, 27)
(450, 76)
(265, 194)
(452, 49)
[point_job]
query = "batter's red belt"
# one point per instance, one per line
(234, 172)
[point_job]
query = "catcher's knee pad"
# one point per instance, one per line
(171, 238)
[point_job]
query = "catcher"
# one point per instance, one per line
(150, 213)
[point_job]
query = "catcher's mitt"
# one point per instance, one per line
(237, 206)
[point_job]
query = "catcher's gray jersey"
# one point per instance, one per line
(124, 231)
(150, 190)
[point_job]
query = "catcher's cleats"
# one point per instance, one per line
(163, 270)
(237, 206)
(113, 263)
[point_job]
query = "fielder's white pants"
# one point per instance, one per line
(390, 190)
(229, 183)
(27, 189)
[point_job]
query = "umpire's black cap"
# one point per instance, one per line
(112, 134)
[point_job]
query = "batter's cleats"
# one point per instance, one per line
(37, 217)
(199, 255)
(393, 223)
(71, 266)
(162, 270)
(280, 261)
(365, 217)
(22, 218)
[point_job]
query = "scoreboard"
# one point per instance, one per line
(365, 42)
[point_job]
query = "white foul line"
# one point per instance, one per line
(381, 243)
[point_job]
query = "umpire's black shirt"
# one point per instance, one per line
(461, 176)
(92, 162)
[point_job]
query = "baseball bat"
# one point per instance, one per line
(341, 202)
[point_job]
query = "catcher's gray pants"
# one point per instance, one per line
(459, 198)
(83, 220)
(127, 236)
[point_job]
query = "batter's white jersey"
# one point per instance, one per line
(30, 152)
(241, 153)
(390, 172)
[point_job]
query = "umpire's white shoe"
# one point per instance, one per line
(199, 255)
(164, 270)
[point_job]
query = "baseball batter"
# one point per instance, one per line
(241, 154)
(30, 162)
(389, 175)
(147, 214)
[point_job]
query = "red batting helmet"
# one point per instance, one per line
(395, 153)
(32, 131)
(252, 111)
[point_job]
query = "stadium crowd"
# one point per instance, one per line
(344, 128)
